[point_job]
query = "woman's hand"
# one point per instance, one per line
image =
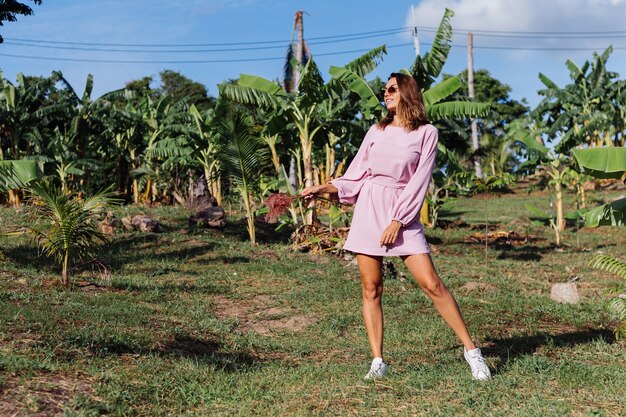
(391, 233)
(310, 192)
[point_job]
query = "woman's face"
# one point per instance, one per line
(391, 95)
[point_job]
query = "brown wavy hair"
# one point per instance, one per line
(410, 109)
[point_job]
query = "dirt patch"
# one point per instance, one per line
(478, 286)
(260, 315)
(44, 395)
(503, 237)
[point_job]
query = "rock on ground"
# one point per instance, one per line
(566, 293)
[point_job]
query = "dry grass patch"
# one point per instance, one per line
(259, 315)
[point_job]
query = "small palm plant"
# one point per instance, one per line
(610, 264)
(243, 159)
(73, 232)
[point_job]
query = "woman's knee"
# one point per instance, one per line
(372, 288)
(434, 287)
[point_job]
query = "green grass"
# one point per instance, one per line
(201, 323)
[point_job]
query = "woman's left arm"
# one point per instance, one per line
(410, 202)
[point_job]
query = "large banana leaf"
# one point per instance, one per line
(609, 214)
(261, 84)
(357, 85)
(456, 109)
(526, 138)
(248, 95)
(602, 162)
(436, 58)
(367, 62)
(547, 82)
(442, 90)
(17, 174)
(311, 88)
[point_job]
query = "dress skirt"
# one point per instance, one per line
(371, 217)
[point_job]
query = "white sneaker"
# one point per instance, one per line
(480, 370)
(377, 371)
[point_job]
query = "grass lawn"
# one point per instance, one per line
(201, 323)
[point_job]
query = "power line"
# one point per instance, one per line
(191, 45)
(118, 61)
(253, 48)
(364, 35)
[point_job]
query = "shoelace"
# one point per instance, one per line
(476, 364)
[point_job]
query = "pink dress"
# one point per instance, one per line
(387, 180)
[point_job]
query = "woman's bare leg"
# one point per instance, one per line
(423, 270)
(372, 291)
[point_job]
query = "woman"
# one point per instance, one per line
(388, 180)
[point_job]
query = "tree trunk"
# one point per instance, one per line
(293, 175)
(560, 218)
(307, 151)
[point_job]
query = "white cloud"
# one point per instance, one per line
(527, 16)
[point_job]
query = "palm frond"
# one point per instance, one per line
(244, 156)
(609, 264)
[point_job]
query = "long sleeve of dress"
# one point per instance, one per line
(408, 206)
(350, 183)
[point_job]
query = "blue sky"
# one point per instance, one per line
(161, 22)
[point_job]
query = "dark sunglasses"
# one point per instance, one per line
(390, 90)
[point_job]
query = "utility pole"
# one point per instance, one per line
(298, 28)
(416, 39)
(470, 87)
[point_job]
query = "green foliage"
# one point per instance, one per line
(10, 9)
(618, 304)
(609, 214)
(17, 174)
(588, 111)
(73, 231)
(242, 160)
(179, 87)
(425, 70)
(609, 162)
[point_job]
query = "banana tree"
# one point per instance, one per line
(204, 127)
(20, 125)
(164, 126)
(588, 111)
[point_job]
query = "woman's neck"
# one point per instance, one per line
(395, 121)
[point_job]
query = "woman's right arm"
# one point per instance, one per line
(328, 188)
(349, 185)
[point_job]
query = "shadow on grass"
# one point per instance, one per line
(29, 256)
(172, 287)
(434, 240)
(508, 349)
(265, 232)
(521, 253)
(208, 351)
(135, 249)
(211, 352)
